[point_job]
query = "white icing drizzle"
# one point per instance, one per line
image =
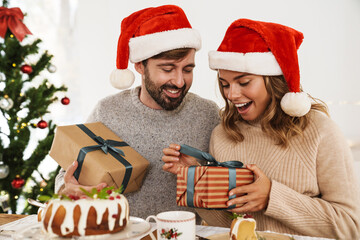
(234, 230)
(100, 205)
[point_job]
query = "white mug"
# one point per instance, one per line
(174, 225)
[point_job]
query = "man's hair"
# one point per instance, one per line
(175, 54)
(274, 121)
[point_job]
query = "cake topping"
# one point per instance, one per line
(105, 193)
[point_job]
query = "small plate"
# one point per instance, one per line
(136, 229)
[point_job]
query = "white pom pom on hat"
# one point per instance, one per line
(148, 32)
(122, 79)
(295, 104)
(267, 49)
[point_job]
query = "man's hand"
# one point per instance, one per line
(72, 186)
(173, 159)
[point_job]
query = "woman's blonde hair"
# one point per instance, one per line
(274, 121)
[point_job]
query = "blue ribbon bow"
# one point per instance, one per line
(186, 149)
(107, 146)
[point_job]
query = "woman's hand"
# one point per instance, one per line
(72, 186)
(173, 159)
(256, 195)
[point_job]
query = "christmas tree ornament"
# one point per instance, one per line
(18, 182)
(65, 100)
(4, 170)
(12, 19)
(51, 68)
(43, 183)
(4, 201)
(26, 69)
(6, 103)
(42, 124)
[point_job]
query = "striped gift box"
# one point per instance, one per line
(208, 186)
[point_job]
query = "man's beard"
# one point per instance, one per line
(166, 102)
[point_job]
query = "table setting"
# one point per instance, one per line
(28, 227)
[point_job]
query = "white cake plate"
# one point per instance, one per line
(135, 229)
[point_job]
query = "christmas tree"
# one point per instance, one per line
(24, 101)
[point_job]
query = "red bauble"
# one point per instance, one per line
(42, 124)
(18, 182)
(65, 100)
(26, 69)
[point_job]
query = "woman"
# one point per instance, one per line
(304, 179)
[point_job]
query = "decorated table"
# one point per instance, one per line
(11, 224)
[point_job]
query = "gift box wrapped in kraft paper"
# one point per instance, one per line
(101, 154)
(209, 186)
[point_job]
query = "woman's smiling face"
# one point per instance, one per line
(246, 91)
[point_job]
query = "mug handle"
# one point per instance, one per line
(148, 220)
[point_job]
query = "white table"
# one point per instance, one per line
(204, 231)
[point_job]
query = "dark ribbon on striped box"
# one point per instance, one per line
(231, 165)
(107, 146)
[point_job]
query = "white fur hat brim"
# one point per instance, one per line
(147, 46)
(260, 63)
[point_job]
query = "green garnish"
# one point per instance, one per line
(236, 215)
(102, 194)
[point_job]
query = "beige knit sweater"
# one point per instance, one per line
(314, 190)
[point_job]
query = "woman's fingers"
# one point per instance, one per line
(243, 208)
(238, 191)
(170, 167)
(175, 146)
(171, 152)
(252, 197)
(169, 159)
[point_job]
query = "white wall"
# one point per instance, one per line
(329, 56)
(86, 33)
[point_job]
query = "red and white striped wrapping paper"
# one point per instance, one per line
(211, 185)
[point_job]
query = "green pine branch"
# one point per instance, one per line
(40, 152)
(5, 3)
(30, 104)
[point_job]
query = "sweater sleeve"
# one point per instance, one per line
(335, 212)
(59, 180)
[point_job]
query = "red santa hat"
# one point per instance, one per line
(268, 49)
(147, 33)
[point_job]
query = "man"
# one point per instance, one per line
(161, 44)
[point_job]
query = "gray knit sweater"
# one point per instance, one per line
(148, 131)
